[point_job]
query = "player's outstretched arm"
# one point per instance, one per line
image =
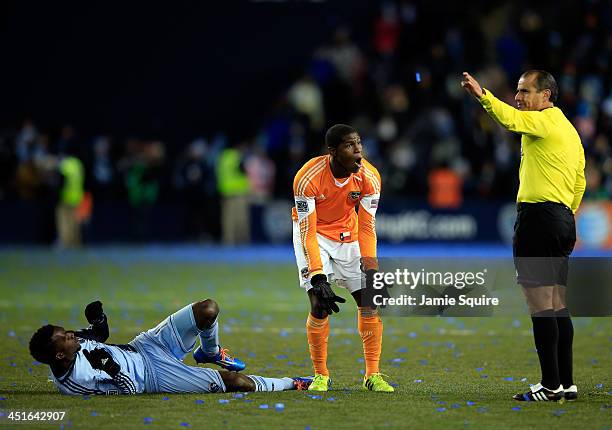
(98, 323)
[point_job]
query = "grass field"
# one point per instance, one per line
(450, 373)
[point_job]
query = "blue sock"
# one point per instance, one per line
(210, 339)
(272, 384)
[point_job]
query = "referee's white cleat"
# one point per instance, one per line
(570, 393)
(538, 393)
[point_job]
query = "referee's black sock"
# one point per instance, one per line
(564, 349)
(546, 336)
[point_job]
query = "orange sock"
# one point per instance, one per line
(317, 331)
(370, 329)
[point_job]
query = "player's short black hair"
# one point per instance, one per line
(336, 134)
(544, 81)
(41, 345)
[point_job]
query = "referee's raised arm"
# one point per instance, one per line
(551, 185)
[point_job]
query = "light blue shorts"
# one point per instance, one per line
(164, 348)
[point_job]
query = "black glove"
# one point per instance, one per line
(94, 312)
(371, 291)
(100, 359)
(322, 289)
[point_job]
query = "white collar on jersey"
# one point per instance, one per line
(342, 184)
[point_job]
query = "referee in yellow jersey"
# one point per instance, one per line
(551, 186)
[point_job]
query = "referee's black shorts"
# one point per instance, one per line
(544, 238)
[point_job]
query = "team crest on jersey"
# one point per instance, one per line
(301, 206)
(305, 273)
(354, 195)
(214, 387)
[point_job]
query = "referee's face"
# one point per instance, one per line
(528, 97)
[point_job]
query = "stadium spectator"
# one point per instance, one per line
(233, 185)
(71, 192)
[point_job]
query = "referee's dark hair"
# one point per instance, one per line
(41, 346)
(336, 134)
(544, 81)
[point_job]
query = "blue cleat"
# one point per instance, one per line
(302, 383)
(222, 359)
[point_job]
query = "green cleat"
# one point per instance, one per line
(320, 383)
(375, 382)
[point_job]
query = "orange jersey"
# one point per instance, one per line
(326, 205)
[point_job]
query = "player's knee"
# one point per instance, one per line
(205, 313)
(235, 381)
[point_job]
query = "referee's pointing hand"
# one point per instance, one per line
(471, 85)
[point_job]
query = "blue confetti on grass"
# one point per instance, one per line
(238, 396)
(223, 401)
(148, 420)
(264, 406)
(283, 333)
(11, 333)
(412, 335)
(331, 399)
(441, 409)
(398, 360)
(282, 357)
(199, 402)
(599, 386)
(185, 424)
(516, 408)
(165, 398)
(279, 407)
(418, 381)
(508, 378)
(2, 398)
(94, 414)
(479, 369)
(470, 403)
(315, 396)
(558, 412)
(423, 362)
(402, 350)
(455, 406)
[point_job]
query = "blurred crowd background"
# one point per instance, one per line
(392, 71)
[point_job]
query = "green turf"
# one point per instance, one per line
(439, 364)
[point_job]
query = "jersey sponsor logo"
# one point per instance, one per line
(301, 206)
(305, 272)
(214, 387)
(354, 195)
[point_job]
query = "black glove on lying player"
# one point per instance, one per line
(322, 289)
(100, 359)
(94, 312)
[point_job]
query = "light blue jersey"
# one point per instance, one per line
(152, 363)
(81, 378)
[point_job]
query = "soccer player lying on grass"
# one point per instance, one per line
(81, 363)
(332, 242)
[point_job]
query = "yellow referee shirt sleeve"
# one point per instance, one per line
(532, 123)
(580, 184)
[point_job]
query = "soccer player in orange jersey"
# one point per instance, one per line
(333, 242)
